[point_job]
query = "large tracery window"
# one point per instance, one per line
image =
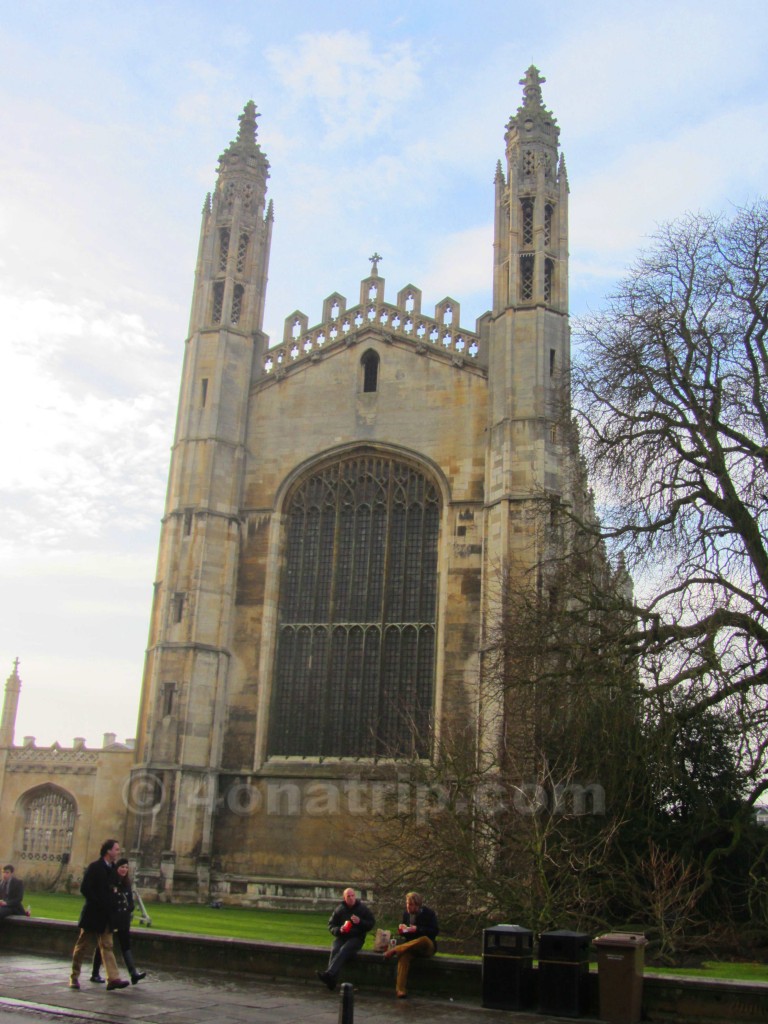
(354, 668)
(49, 819)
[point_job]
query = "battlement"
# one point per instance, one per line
(403, 320)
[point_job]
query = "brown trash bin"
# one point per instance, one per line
(620, 962)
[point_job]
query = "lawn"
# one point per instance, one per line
(305, 928)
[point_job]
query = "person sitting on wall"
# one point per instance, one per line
(349, 924)
(11, 894)
(418, 933)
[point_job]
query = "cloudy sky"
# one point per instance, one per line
(382, 124)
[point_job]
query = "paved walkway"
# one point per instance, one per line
(36, 988)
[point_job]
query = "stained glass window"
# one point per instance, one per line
(355, 661)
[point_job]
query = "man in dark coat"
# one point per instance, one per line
(418, 931)
(94, 920)
(349, 924)
(11, 893)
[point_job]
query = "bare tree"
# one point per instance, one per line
(671, 388)
(524, 830)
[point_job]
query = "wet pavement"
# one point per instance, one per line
(36, 988)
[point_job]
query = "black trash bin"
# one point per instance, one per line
(508, 968)
(620, 963)
(564, 973)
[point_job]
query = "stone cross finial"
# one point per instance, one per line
(247, 131)
(375, 260)
(532, 87)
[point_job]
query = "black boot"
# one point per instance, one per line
(136, 976)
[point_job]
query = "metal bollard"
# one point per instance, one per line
(347, 1004)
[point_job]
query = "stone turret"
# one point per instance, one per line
(185, 683)
(528, 350)
(10, 707)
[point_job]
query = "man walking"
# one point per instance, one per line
(94, 921)
(349, 924)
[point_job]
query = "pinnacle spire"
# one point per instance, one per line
(244, 151)
(531, 84)
(532, 113)
(247, 131)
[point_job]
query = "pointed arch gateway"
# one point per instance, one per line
(355, 654)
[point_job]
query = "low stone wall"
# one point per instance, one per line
(665, 998)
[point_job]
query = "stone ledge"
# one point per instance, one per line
(666, 998)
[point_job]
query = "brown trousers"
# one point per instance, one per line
(84, 948)
(405, 952)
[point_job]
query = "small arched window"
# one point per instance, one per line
(370, 365)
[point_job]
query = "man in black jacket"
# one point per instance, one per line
(11, 894)
(94, 920)
(418, 933)
(349, 924)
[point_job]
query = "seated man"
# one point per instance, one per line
(418, 930)
(11, 894)
(349, 924)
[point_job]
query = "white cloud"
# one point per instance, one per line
(462, 267)
(339, 77)
(87, 415)
(718, 161)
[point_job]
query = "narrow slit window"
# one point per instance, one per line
(168, 695)
(203, 391)
(527, 210)
(218, 301)
(552, 356)
(242, 252)
(223, 248)
(177, 608)
(549, 273)
(370, 363)
(526, 278)
(188, 522)
(237, 305)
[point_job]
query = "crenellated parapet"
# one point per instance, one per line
(402, 320)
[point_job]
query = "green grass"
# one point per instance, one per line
(304, 928)
(718, 969)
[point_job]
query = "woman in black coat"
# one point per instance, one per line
(419, 929)
(121, 909)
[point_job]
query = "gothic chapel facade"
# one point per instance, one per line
(339, 505)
